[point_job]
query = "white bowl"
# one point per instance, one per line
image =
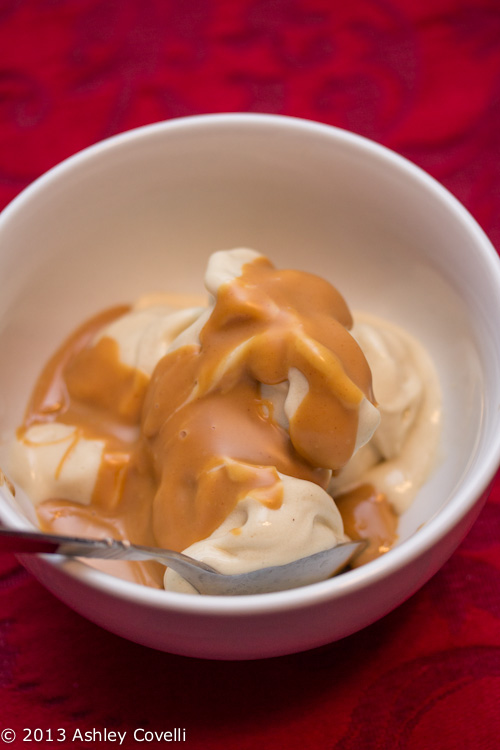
(142, 211)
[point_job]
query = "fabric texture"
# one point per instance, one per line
(419, 76)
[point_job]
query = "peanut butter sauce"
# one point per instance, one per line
(87, 386)
(182, 449)
(367, 514)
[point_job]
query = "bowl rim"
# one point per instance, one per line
(436, 528)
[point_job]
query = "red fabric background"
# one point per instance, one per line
(422, 77)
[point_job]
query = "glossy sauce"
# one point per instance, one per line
(184, 447)
(367, 514)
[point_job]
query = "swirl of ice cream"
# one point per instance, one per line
(215, 430)
(216, 438)
(402, 451)
(53, 458)
(252, 535)
(56, 460)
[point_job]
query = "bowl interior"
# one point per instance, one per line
(143, 211)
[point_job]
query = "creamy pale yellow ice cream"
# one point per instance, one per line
(225, 430)
(402, 451)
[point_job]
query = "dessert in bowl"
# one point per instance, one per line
(143, 212)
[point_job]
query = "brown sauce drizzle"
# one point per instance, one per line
(183, 448)
(367, 514)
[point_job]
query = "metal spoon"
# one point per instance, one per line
(204, 578)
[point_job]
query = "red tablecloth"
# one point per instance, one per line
(420, 76)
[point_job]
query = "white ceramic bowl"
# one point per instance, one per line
(142, 211)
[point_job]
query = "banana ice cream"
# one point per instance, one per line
(255, 429)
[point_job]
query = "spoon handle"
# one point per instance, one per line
(26, 541)
(21, 542)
